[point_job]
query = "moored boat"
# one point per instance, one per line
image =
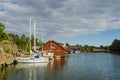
(37, 57)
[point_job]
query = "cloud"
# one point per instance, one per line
(60, 18)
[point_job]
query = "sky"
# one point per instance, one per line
(91, 22)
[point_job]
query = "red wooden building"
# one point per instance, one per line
(55, 48)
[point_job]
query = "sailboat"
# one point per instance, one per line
(36, 58)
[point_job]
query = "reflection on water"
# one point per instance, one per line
(75, 67)
(56, 64)
(31, 71)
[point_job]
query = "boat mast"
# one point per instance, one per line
(42, 42)
(30, 35)
(34, 34)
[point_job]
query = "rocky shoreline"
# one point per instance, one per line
(8, 52)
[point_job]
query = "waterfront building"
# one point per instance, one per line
(55, 48)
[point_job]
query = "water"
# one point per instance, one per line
(92, 66)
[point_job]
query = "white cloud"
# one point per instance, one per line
(61, 18)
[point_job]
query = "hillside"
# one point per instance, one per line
(8, 50)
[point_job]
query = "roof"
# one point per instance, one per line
(56, 44)
(69, 48)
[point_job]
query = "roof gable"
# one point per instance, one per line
(55, 43)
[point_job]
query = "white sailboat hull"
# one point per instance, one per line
(32, 60)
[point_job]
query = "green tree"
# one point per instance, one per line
(115, 46)
(40, 43)
(14, 37)
(67, 44)
(101, 46)
(3, 35)
(21, 41)
(2, 27)
(86, 46)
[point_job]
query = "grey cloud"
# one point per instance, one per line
(55, 3)
(61, 18)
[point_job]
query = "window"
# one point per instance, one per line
(52, 46)
(51, 51)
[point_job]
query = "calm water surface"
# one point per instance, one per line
(92, 66)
